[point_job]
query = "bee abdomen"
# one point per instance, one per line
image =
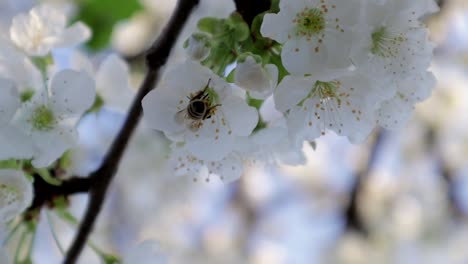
(197, 109)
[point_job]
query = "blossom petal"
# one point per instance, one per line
(242, 119)
(72, 93)
(49, 146)
(160, 109)
(291, 91)
(9, 100)
(15, 144)
(74, 35)
(113, 83)
(16, 194)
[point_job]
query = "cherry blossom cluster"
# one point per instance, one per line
(301, 70)
(40, 102)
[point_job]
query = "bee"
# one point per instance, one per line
(198, 109)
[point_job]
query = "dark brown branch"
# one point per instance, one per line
(353, 219)
(44, 193)
(156, 57)
(249, 9)
(445, 172)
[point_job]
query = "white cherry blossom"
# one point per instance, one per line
(345, 105)
(195, 106)
(391, 43)
(396, 111)
(258, 80)
(49, 118)
(316, 34)
(45, 28)
(16, 194)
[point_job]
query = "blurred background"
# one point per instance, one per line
(400, 198)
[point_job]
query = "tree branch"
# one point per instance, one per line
(353, 219)
(249, 9)
(156, 57)
(445, 172)
(44, 192)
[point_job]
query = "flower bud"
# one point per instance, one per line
(198, 46)
(257, 79)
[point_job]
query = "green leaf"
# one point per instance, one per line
(239, 28)
(102, 15)
(211, 25)
(10, 164)
(97, 105)
(275, 6)
(66, 160)
(231, 75)
(256, 25)
(65, 215)
(257, 103)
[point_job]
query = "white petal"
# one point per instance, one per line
(160, 109)
(80, 62)
(72, 93)
(277, 27)
(229, 169)
(49, 146)
(291, 91)
(74, 35)
(213, 141)
(16, 194)
(113, 83)
(242, 119)
(19, 68)
(9, 100)
(258, 80)
(19, 27)
(15, 144)
(195, 78)
(50, 16)
(304, 57)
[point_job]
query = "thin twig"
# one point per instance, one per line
(156, 57)
(249, 9)
(353, 219)
(44, 192)
(456, 209)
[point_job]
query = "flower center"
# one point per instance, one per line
(326, 91)
(42, 119)
(385, 43)
(26, 95)
(309, 22)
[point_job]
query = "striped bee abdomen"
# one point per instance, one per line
(197, 109)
